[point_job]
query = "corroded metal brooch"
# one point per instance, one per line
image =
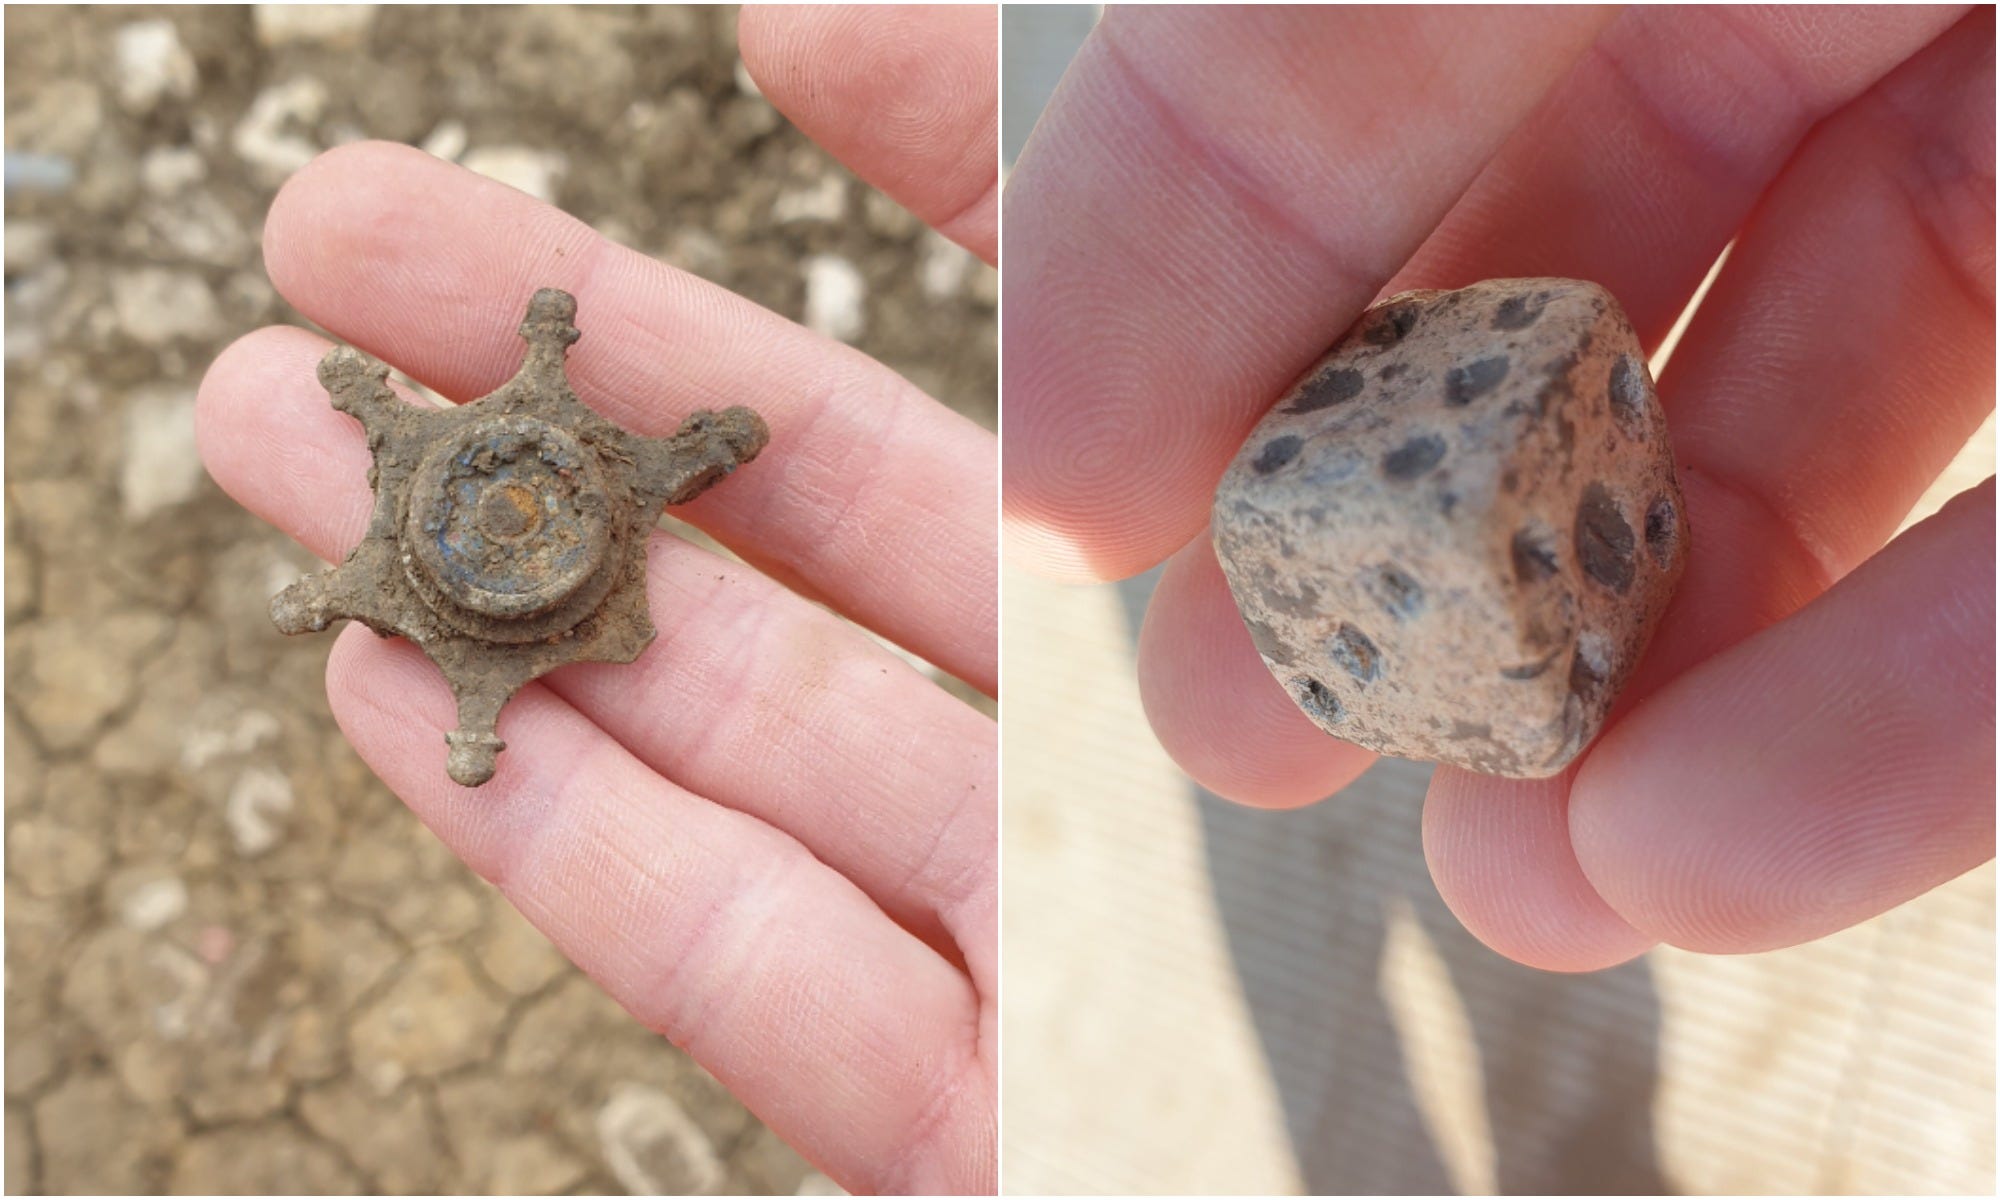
(509, 534)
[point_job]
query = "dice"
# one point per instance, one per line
(1455, 535)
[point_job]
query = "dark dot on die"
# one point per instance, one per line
(1628, 395)
(1519, 312)
(1414, 457)
(1327, 389)
(1391, 325)
(1396, 591)
(1356, 654)
(1605, 547)
(1468, 381)
(1534, 554)
(1276, 453)
(1319, 701)
(1661, 526)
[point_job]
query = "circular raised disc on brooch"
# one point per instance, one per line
(508, 520)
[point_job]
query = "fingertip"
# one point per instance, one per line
(320, 200)
(394, 249)
(754, 32)
(269, 438)
(233, 401)
(1101, 490)
(1499, 852)
(1049, 552)
(214, 397)
(1800, 782)
(905, 96)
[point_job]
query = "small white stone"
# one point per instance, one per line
(154, 904)
(943, 267)
(155, 306)
(177, 1006)
(816, 1184)
(332, 25)
(836, 296)
(255, 810)
(652, 1145)
(824, 201)
(162, 466)
(168, 169)
(744, 83)
(266, 137)
(535, 172)
(151, 64)
(239, 732)
(447, 141)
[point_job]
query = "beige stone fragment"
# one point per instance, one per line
(1453, 538)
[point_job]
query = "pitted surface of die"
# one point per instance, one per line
(509, 534)
(1453, 538)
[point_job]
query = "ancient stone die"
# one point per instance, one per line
(1452, 539)
(509, 534)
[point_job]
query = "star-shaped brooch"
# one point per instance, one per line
(509, 534)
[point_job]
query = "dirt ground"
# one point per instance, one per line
(234, 962)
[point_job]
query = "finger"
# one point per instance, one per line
(1644, 161)
(876, 497)
(856, 1043)
(750, 696)
(1181, 244)
(1505, 867)
(906, 96)
(1829, 223)
(1822, 772)
(1888, 209)
(1215, 708)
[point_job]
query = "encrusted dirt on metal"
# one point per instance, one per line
(509, 534)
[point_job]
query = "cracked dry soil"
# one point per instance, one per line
(234, 962)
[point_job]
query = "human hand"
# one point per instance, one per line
(1214, 195)
(769, 838)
